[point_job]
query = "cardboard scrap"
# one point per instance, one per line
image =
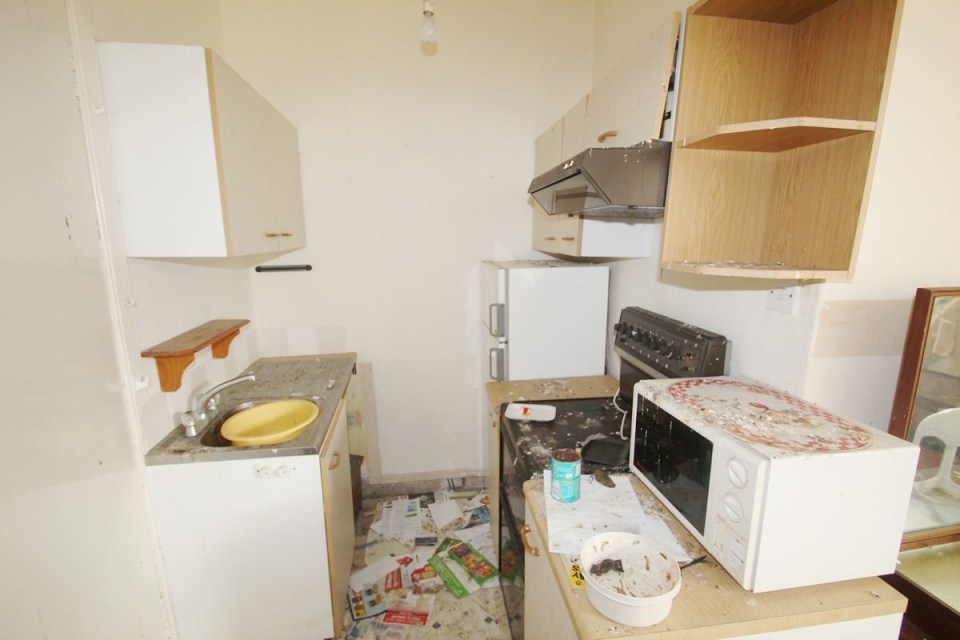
(409, 610)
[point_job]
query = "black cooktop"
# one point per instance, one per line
(532, 443)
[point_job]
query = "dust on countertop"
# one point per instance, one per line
(320, 378)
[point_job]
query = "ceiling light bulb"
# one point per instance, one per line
(428, 30)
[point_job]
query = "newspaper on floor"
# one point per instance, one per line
(444, 510)
(400, 520)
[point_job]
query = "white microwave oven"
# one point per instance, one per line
(780, 492)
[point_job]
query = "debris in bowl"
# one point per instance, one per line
(606, 565)
(636, 574)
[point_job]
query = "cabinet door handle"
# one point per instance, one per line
(607, 134)
(526, 544)
(272, 235)
(550, 238)
(335, 461)
(284, 234)
(568, 238)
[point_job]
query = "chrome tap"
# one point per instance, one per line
(194, 421)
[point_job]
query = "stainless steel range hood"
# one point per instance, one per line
(614, 182)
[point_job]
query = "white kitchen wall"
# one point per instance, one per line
(912, 227)
(415, 167)
(164, 299)
(78, 558)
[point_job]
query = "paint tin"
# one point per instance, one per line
(565, 475)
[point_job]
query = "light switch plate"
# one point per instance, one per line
(783, 299)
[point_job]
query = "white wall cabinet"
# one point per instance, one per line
(574, 235)
(205, 166)
(257, 548)
(625, 108)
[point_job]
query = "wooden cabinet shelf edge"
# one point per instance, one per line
(777, 135)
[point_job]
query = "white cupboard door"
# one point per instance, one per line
(575, 137)
(260, 170)
(547, 153)
(338, 504)
(545, 614)
(627, 106)
(244, 548)
(163, 148)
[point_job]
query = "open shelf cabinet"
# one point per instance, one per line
(777, 112)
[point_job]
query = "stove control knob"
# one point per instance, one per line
(667, 349)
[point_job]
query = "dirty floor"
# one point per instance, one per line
(420, 604)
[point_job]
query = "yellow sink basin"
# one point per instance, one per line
(269, 423)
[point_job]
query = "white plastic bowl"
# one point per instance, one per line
(643, 593)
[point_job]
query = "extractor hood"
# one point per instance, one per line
(611, 182)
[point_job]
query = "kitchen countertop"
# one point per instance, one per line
(711, 604)
(321, 378)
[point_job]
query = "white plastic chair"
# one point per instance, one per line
(945, 427)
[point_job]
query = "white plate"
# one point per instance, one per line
(535, 412)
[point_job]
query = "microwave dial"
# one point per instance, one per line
(737, 473)
(733, 508)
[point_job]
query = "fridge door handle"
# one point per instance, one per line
(496, 328)
(495, 363)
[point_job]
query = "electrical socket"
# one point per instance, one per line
(783, 299)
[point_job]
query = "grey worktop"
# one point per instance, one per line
(321, 378)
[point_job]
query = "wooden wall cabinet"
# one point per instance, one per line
(205, 166)
(623, 109)
(775, 136)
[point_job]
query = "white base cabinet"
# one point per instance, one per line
(257, 548)
(544, 613)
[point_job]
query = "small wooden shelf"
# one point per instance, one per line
(175, 354)
(777, 135)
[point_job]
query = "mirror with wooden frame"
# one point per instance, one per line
(926, 410)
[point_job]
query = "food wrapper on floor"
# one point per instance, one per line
(461, 567)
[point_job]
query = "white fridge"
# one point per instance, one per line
(544, 319)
